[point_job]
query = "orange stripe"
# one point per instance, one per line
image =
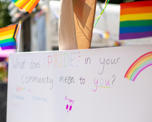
(136, 10)
(135, 4)
(7, 28)
(34, 5)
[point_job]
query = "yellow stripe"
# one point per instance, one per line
(136, 17)
(138, 64)
(5, 33)
(20, 3)
(6, 37)
(29, 5)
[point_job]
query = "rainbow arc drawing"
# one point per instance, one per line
(138, 66)
(135, 20)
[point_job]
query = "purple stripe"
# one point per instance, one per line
(135, 35)
(8, 47)
(141, 71)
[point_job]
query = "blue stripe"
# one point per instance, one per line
(8, 44)
(135, 29)
(14, 0)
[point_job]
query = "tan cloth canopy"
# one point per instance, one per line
(76, 24)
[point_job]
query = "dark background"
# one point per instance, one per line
(118, 1)
(113, 1)
(3, 99)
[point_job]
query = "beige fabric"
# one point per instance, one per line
(67, 37)
(76, 24)
(84, 12)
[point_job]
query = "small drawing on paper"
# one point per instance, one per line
(69, 103)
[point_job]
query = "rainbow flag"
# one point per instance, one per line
(27, 5)
(8, 37)
(135, 20)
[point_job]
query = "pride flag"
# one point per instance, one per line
(8, 37)
(27, 5)
(135, 20)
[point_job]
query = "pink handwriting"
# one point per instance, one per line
(49, 59)
(69, 105)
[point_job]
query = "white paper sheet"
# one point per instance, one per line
(80, 86)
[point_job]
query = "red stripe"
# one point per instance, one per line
(135, 4)
(135, 62)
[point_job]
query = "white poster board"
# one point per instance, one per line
(81, 86)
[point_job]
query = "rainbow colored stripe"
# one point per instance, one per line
(135, 20)
(138, 66)
(8, 37)
(27, 5)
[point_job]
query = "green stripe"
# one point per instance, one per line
(138, 68)
(15, 1)
(7, 40)
(136, 23)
